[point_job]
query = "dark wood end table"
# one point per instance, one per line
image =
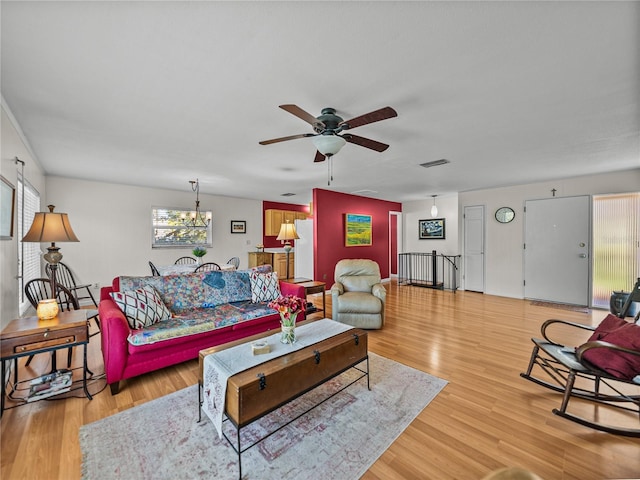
(312, 287)
(30, 335)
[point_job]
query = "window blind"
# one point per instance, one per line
(29, 264)
(616, 245)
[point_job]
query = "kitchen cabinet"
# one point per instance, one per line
(260, 258)
(274, 218)
(280, 265)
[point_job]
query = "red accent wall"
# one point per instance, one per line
(271, 242)
(329, 209)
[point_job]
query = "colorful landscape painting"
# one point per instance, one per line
(358, 230)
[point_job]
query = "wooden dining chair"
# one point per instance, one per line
(185, 261)
(205, 267)
(40, 289)
(64, 276)
(154, 270)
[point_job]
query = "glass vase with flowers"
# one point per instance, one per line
(288, 307)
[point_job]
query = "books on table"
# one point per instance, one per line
(50, 384)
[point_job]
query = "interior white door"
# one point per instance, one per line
(556, 255)
(474, 248)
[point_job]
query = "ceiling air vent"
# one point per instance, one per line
(287, 194)
(364, 192)
(435, 163)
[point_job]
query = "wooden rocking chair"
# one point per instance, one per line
(571, 373)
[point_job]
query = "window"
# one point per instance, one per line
(28, 253)
(171, 229)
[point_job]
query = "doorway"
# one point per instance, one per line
(395, 242)
(557, 250)
(474, 248)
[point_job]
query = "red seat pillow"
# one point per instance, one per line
(623, 334)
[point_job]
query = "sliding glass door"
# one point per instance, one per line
(616, 245)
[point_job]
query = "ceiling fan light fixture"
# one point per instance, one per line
(328, 145)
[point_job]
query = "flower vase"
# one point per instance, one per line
(199, 260)
(288, 329)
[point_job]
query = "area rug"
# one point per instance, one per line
(340, 439)
(561, 306)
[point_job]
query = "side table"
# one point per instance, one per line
(311, 287)
(29, 336)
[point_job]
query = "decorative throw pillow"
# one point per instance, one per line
(618, 332)
(264, 286)
(142, 307)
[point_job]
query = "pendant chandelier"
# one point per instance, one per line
(196, 218)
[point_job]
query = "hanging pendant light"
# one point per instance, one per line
(434, 209)
(197, 219)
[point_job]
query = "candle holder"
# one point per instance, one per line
(47, 309)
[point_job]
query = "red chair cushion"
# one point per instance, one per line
(618, 332)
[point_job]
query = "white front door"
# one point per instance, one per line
(556, 255)
(474, 248)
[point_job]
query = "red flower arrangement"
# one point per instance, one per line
(288, 307)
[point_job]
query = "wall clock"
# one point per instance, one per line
(505, 214)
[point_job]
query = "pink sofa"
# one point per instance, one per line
(128, 353)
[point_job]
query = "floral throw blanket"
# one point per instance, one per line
(199, 302)
(198, 320)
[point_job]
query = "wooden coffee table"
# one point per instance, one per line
(259, 390)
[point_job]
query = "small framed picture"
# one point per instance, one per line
(431, 229)
(7, 214)
(238, 226)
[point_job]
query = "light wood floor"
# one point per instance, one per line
(487, 416)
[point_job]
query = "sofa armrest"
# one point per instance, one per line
(292, 289)
(104, 293)
(114, 331)
(296, 290)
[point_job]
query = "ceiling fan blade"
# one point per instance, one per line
(371, 117)
(300, 113)
(319, 157)
(365, 142)
(284, 139)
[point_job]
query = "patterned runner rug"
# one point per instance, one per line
(339, 440)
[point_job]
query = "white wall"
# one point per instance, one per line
(412, 212)
(14, 145)
(113, 223)
(504, 273)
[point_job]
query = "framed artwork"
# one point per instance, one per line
(238, 226)
(432, 229)
(357, 230)
(7, 207)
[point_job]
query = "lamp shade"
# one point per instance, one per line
(50, 227)
(287, 232)
(328, 145)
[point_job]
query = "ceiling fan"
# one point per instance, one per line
(327, 127)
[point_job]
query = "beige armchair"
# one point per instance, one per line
(357, 296)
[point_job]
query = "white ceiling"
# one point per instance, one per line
(159, 93)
